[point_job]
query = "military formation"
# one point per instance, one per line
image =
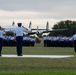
(57, 41)
(48, 41)
(10, 41)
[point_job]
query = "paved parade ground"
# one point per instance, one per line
(38, 56)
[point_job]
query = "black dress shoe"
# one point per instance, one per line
(19, 55)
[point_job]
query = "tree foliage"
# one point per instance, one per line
(67, 24)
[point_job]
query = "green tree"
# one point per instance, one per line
(67, 24)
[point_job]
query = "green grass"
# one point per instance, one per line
(38, 66)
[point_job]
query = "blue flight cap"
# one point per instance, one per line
(19, 24)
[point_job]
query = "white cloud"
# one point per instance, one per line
(17, 14)
(37, 11)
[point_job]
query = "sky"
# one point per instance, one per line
(36, 11)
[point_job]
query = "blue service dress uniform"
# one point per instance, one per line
(1, 40)
(74, 41)
(19, 39)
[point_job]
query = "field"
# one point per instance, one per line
(38, 66)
